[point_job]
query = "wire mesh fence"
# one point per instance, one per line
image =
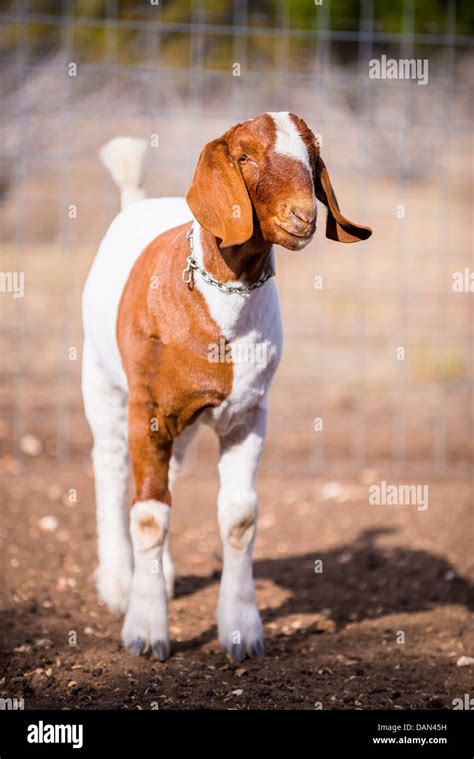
(377, 369)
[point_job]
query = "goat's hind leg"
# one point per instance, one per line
(106, 412)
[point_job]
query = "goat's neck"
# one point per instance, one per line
(239, 263)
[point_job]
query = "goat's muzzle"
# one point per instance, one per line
(296, 226)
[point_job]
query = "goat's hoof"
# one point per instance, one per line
(160, 650)
(137, 646)
(237, 652)
(240, 628)
(257, 650)
(145, 623)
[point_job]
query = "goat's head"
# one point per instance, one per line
(265, 174)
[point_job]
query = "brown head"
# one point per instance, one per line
(262, 177)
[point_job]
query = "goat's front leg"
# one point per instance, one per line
(239, 625)
(146, 621)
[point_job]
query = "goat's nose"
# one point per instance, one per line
(306, 215)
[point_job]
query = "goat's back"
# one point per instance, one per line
(127, 236)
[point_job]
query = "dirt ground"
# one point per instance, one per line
(390, 615)
(381, 626)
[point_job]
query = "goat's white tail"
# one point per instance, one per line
(123, 157)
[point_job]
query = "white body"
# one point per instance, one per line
(245, 320)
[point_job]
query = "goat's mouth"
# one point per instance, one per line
(301, 236)
(292, 239)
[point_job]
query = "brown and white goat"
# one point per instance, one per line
(171, 281)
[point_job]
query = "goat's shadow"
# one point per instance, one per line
(358, 581)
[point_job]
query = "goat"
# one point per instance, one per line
(172, 280)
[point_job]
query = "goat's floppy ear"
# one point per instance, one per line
(337, 226)
(218, 196)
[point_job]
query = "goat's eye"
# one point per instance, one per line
(243, 158)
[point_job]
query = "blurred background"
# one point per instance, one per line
(78, 72)
(376, 378)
